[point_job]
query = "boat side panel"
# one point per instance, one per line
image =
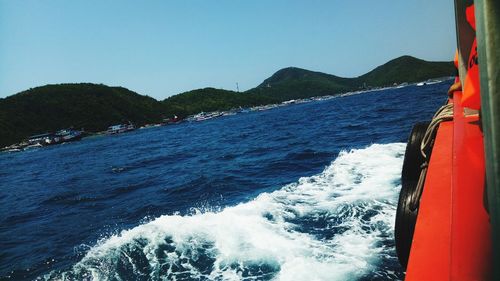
(430, 252)
(471, 239)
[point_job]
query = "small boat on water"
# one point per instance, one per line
(67, 135)
(120, 128)
(61, 136)
(40, 139)
(30, 146)
(170, 121)
(428, 82)
(206, 116)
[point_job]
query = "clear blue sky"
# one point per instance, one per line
(161, 48)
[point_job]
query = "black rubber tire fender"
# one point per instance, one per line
(406, 218)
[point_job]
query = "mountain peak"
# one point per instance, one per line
(292, 73)
(294, 82)
(406, 69)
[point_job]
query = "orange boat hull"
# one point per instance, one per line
(452, 239)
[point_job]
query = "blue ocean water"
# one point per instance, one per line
(303, 192)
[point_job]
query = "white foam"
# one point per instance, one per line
(275, 232)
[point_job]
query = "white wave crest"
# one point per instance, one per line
(331, 226)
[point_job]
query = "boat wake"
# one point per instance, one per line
(336, 225)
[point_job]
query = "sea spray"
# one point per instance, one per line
(336, 225)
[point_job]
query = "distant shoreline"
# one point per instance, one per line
(211, 115)
(95, 107)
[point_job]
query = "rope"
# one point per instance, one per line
(445, 113)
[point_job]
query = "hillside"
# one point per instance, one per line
(292, 82)
(89, 106)
(95, 107)
(406, 69)
(210, 99)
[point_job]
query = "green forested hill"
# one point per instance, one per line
(95, 107)
(89, 106)
(210, 99)
(292, 82)
(406, 69)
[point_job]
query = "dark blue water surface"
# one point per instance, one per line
(60, 204)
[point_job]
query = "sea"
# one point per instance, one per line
(306, 191)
